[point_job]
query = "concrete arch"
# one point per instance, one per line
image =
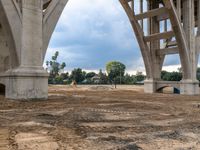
(140, 37)
(180, 36)
(178, 39)
(11, 34)
(161, 84)
(176, 90)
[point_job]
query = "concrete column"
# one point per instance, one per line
(153, 26)
(198, 16)
(29, 80)
(178, 6)
(190, 86)
(198, 34)
(150, 86)
(148, 19)
(31, 51)
(188, 25)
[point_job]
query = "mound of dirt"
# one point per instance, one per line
(100, 87)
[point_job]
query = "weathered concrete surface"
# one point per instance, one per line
(187, 87)
(26, 27)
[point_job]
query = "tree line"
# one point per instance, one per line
(115, 74)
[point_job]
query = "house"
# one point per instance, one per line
(96, 79)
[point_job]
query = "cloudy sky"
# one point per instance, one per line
(91, 33)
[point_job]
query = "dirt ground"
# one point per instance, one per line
(101, 118)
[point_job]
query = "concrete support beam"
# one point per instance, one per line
(188, 25)
(157, 60)
(31, 51)
(151, 13)
(159, 36)
(197, 40)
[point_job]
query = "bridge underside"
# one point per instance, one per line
(167, 27)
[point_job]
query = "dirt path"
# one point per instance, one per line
(4, 139)
(101, 119)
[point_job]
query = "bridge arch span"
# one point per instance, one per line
(10, 42)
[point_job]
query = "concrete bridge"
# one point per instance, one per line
(26, 27)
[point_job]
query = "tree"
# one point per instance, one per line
(139, 76)
(89, 75)
(54, 68)
(128, 79)
(58, 80)
(175, 76)
(65, 76)
(78, 75)
(103, 77)
(63, 65)
(115, 70)
(171, 76)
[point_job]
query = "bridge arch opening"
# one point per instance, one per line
(168, 90)
(171, 70)
(90, 43)
(2, 89)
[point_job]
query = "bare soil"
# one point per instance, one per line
(101, 118)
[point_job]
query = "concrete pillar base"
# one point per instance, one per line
(26, 83)
(150, 86)
(189, 87)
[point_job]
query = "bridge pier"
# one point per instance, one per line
(26, 27)
(150, 86)
(172, 27)
(25, 83)
(189, 87)
(29, 80)
(186, 87)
